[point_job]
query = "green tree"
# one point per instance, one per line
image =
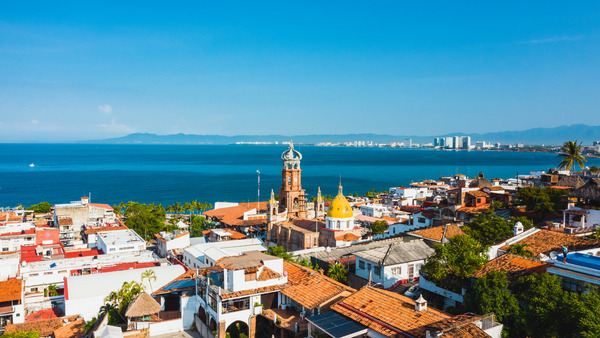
(338, 273)
(199, 224)
(488, 228)
(41, 208)
(279, 251)
(378, 227)
(490, 294)
(544, 201)
(145, 219)
(571, 154)
(150, 276)
(454, 262)
(120, 299)
(51, 291)
(541, 298)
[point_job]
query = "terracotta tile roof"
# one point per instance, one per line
(347, 237)
(267, 274)
(478, 193)
(495, 188)
(41, 315)
(11, 290)
(545, 241)
(470, 330)
(436, 233)
(234, 215)
(387, 312)
(65, 221)
(476, 210)
(243, 293)
(106, 228)
(310, 288)
(44, 327)
(190, 274)
(101, 205)
(514, 266)
(72, 330)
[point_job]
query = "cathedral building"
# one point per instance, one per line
(288, 224)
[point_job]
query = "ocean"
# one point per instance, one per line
(180, 173)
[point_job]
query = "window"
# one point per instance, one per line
(361, 265)
(48, 273)
(397, 271)
(421, 219)
(369, 266)
(377, 270)
(4, 249)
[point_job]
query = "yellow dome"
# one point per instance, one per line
(340, 208)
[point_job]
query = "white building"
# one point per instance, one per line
(84, 295)
(232, 292)
(396, 263)
(82, 213)
(120, 241)
(374, 210)
(207, 254)
(14, 235)
(166, 242)
(587, 219)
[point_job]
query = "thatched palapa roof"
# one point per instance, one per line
(590, 191)
(571, 182)
(142, 305)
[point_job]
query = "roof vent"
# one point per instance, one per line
(420, 304)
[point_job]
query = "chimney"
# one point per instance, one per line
(518, 228)
(420, 304)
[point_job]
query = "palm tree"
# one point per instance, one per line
(338, 273)
(149, 275)
(571, 154)
(52, 290)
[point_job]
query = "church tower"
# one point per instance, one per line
(319, 205)
(271, 216)
(291, 195)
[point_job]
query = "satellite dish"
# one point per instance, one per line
(328, 249)
(553, 255)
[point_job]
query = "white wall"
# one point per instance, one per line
(164, 327)
(390, 275)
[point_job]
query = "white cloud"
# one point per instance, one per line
(105, 108)
(34, 121)
(114, 127)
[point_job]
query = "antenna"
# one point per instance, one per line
(553, 255)
(258, 200)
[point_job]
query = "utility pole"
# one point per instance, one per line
(258, 200)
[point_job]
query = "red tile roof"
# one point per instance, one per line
(74, 329)
(105, 228)
(436, 233)
(11, 290)
(267, 274)
(44, 327)
(387, 312)
(545, 241)
(101, 205)
(513, 265)
(234, 215)
(190, 274)
(41, 315)
(310, 288)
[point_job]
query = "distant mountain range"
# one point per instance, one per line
(535, 136)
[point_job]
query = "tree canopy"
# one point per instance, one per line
(545, 201)
(41, 208)
(454, 262)
(378, 227)
(338, 273)
(145, 219)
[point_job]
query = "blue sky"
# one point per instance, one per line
(83, 70)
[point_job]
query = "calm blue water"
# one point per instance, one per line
(170, 173)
